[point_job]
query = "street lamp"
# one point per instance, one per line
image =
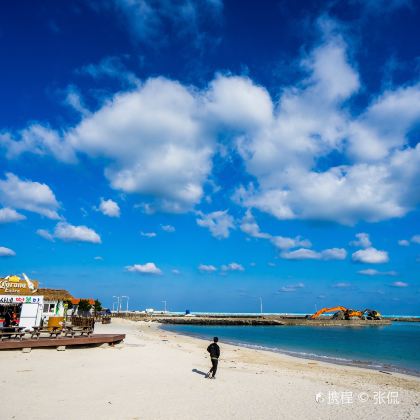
(164, 302)
(118, 303)
(126, 301)
(261, 305)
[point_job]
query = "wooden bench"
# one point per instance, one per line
(12, 332)
(80, 331)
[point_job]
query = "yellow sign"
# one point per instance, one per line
(17, 286)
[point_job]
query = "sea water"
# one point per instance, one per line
(393, 347)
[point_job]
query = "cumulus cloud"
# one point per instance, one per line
(6, 252)
(109, 208)
(291, 288)
(8, 215)
(148, 268)
(233, 266)
(370, 256)
(28, 195)
(362, 241)
(207, 268)
(218, 222)
(172, 132)
(70, 233)
(373, 272)
(168, 228)
(309, 254)
(403, 242)
(166, 151)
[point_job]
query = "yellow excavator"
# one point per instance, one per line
(345, 313)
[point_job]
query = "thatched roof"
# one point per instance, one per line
(54, 294)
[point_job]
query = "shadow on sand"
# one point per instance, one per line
(199, 372)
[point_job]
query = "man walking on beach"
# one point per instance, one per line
(214, 351)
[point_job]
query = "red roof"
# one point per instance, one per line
(75, 301)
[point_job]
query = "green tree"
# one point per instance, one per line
(84, 305)
(97, 306)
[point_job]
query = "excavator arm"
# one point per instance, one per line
(325, 310)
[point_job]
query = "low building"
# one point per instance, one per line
(29, 304)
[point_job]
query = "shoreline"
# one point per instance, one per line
(159, 374)
(386, 369)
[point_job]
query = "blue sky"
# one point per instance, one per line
(208, 153)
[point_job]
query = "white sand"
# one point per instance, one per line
(151, 376)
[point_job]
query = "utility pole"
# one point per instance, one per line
(164, 302)
(261, 305)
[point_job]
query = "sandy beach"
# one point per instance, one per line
(156, 374)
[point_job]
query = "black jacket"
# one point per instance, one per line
(214, 350)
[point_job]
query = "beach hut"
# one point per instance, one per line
(54, 302)
(18, 297)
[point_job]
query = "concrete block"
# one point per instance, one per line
(61, 348)
(26, 350)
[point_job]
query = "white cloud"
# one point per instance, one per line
(250, 227)
(207, 268)
(171, 134)
(218, 222)
(8, 215)
(109, 208)
(98, 258)
(233, 266)
(309, 254)
(291, 288)
(43, 233)
(175, 271)
(362, 241)
(6, 252)
(166, 151)
(38, 140)
(342, 285)
(370, 256)
(399, 284)
(148, 268)
(373, 272)
(69, 233)
(334, 254)
(385, 124)
(283, 242)
(168, 228)
(28, 195)
(236, 103)
(148, 234)
(416, 239)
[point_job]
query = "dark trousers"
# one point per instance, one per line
(214, 366)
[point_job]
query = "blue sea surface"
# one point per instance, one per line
(393, 347)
